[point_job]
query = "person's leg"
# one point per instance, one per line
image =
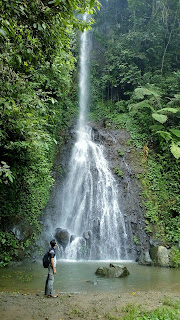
(49, 283)
(46, 285)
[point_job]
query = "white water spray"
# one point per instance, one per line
(90, 208)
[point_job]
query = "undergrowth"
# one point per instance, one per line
(170, 310)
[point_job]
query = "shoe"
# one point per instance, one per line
(49, 296)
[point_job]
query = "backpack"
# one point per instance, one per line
(46, 260)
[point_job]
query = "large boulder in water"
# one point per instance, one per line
(113, 271)
(62, 236)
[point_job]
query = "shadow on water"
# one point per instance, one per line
(80, 277)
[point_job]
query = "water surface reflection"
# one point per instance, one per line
(80, 277)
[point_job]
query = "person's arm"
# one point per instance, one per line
(52, 263)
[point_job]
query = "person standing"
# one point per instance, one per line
(51, 270)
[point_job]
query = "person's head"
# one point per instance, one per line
(53, 243)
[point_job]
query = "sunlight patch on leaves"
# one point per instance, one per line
(175, 149)
(159, 117)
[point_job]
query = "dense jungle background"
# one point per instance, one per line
(134, 84)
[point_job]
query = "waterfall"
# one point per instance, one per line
(83, 79)
(90, 206)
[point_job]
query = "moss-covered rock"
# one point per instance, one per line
(113, 271)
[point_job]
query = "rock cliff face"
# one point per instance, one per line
(127, 160)
(122, 158)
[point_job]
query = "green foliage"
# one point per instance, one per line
(121, 153)
(159, 117)
(131, 62)
(134, 42)
(119, 120)
(119, 172)
(151, 211)
(8, 248)
(168, 110)
(175, 257)
(169, 311)
(136, 107)
(135, 72)
(151, 106)
(37, 62)
(175, 149)
(5, 173)
(161, 198)
(102, 111)
(138, 136)
(171, 303)
(136, 240)
(175, 132)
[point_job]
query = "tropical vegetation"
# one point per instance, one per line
(135, 84)
(37, 64)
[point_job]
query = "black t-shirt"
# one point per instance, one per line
(52, 253)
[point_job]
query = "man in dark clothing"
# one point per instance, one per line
(51, 270)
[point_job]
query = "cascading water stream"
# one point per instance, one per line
(90, 209)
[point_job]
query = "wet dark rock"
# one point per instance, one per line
(154, 242)
(145, 259)
(113, 271)
(96, 228)
(62, 236)
(92, 281)
(72, 238)
(129, 189)
(87, 235)
(95, 135)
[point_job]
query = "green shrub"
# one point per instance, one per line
(175, 257)
(121, 153)
(119, 172)
(170, 311)
(8, 248)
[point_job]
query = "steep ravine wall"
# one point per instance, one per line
(120, 154)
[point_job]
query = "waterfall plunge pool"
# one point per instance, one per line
(79, 276)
